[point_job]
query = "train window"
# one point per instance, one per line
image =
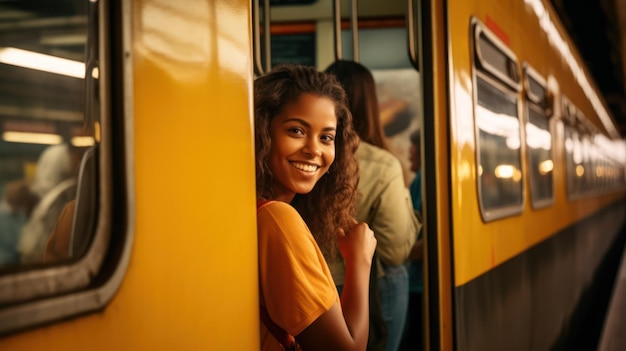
(498, 128)
(573, 150)
(44, 134)
(572, 158)
(587, 156)
(579, 168)
(495, 58)
(580, 152)
(53, 236)
(373, 41)
(538, 140)
(500, 170)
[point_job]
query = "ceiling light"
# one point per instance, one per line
(41, 62)
(32, 138)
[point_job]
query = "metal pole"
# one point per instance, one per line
(337, 29)
(354, 25)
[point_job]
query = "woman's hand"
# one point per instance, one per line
(358, 245)
(346, 327)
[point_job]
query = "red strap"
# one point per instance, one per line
(285, 339)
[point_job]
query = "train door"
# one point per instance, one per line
(403, 44)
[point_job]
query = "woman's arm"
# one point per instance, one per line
(346, 327)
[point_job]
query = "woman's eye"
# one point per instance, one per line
(328, 138)
(296, 131)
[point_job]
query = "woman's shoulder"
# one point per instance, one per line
(277, 219)
(274, 206)
(279, 211)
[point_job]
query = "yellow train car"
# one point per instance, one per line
(536, 167)
(149, 132)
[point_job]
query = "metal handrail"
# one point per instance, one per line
(337, 29)
(354, 27)
(258, 64)
(256, 37)
(410, 20)
(267, 35)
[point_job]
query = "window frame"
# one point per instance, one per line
(511, 86)
(88, 283)
(540, 105)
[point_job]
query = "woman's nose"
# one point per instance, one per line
(312, 147)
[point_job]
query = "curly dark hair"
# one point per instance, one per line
(332, 202)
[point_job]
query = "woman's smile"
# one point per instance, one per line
(305, 167)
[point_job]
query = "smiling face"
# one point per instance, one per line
(303, 145)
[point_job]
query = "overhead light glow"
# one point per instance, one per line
(32, 138)
(580, 170)
(546, 167)
(82, 141)
(41, 62)
(505, 171)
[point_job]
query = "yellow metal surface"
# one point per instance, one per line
(192, 279)
(530, 30)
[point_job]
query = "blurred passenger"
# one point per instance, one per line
(54, 186)
(20, 198)
(306, 173)
(414, 330)
(71, 234)
(383, 202)
(59, 243)
(15, 208)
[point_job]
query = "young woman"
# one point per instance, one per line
(306, 168)
(384, 202)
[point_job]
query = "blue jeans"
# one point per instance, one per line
(394, 290)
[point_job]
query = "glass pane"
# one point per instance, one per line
(539, 141)
(497, 58)
(42, 125)
(569, 159)
(587, 178)
(500, 170)
(374, 41)
(579, 168)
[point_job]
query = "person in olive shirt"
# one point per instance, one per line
(383, 202)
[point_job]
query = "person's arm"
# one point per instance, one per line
(417, 252)
(346, 327)
(394, 221)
